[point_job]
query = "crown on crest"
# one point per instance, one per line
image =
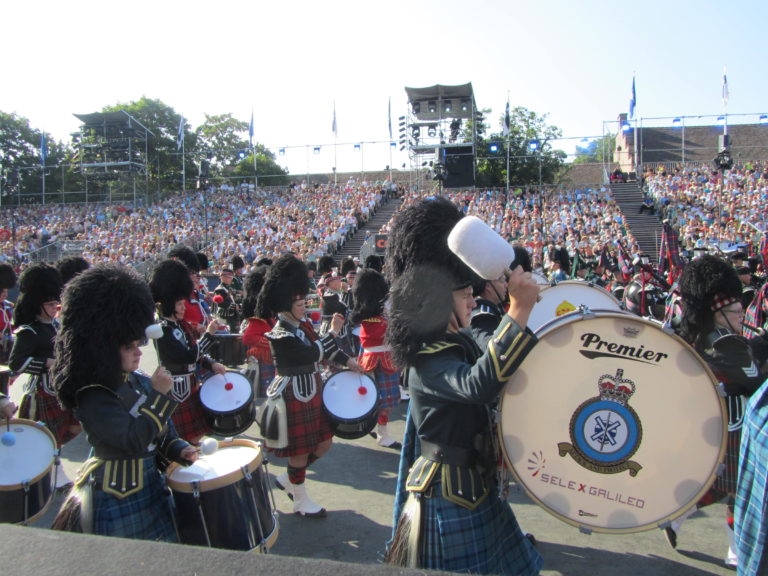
(616, 388)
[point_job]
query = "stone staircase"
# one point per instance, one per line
(645, 227)
(357, 246)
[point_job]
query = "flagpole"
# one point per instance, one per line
(43, 145)
(253, 151)
(183, 167)
(335, 137)
(634, 108)
(506, 125)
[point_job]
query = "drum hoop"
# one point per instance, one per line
(582, 526)
(587, 284)
(228, 479)
(36, 479)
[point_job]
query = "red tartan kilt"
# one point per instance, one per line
(308, 425)
(48, 411)
(189, 418)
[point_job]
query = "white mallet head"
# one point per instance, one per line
(208, 446)
(481, 248)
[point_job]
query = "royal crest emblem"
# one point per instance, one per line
(605, 430)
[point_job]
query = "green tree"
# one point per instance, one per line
(532, 158)
(598, 150)
(269, 172)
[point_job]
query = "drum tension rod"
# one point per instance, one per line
(25, 487)
(196, 496)
(249, 480)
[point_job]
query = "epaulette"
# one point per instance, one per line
(24, 327)
(278, 333)
(436, 347)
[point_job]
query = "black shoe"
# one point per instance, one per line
(671, 536)
(395, 446)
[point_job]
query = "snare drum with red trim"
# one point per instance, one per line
(27, 456)
(566, 297)
(611, 424)
(227, 401)
(350, 400)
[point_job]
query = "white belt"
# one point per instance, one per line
(383, 348)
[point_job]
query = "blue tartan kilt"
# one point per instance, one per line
(486, 540)
(145, 515)
(388, 386)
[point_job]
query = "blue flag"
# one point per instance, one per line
(632, 100)
(43, 149)
(725, 89)
(335, 133)
(250, 130)
(507, 121)
(389, 112)
(180, 135)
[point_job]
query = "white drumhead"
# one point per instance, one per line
(31, 454)
(227, 460)
(566, 297)
(349, 395)
(613, 461)
(226, 392)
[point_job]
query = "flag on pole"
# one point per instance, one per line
(632, 100)
(389, 114)
(180, 134)
(43, 149)
(506, 120)
(725, 88)
(335, 133)
(250, 131)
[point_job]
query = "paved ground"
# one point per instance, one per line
(356, 481)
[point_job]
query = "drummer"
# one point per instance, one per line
(254, 330)
(194, 310)
(448, 511)
(179, 350)
(296, 351)
(711, 322)
(7, 281)
(105, 314)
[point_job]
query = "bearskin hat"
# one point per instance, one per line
(169, 282)
(7, 277)
(252, 286)
(286, 279)
(37, 284)
(423, 273)
(523, 258)
(369, 294)
(265, 262)
(186, 255)
(374, 261)
(325, 264)
(705, 284)
(71, 266)
(202, 261)
(102, 309)
(348, 265)
(237, 262)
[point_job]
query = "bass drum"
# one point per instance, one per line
(611, 424)
(566, 297)
(350, 400)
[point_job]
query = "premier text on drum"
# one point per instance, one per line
(602, 347)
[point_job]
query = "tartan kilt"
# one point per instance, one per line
(388, 385)
(486, 540)
(189, 418)
(145, 515)
(38, 405)
(308, 425)
(726, 482)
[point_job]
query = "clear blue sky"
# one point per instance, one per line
(290, 61)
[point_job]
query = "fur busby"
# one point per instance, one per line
(202, 261)
(252, 286)
(348, 265)
(523, 258)
(703, 281)
(37, 284)
(374, 261)
(7, 277)
(169, 283)
(325, 264)
(186, 255)
(369, 294)
(286, 279)
(237, 262)
(423, 273)
(70, 267)
(102, 309)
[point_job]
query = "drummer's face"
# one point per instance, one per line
(463, 304)
(299, 307)
(130, 354)
(179, 309)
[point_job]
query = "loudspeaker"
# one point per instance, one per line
(723, 142)
(459, 167)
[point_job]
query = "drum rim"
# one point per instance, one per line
(228, 479)
(215, 430)
(582, 283)
(41, 427)
(584, 526)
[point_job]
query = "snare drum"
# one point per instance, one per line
(227, 402)
(229, 349)
(350, 400)
(611, 424)
(566, 297)
(223, 499)
(26, 471)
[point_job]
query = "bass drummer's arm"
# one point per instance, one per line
(7, 408)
